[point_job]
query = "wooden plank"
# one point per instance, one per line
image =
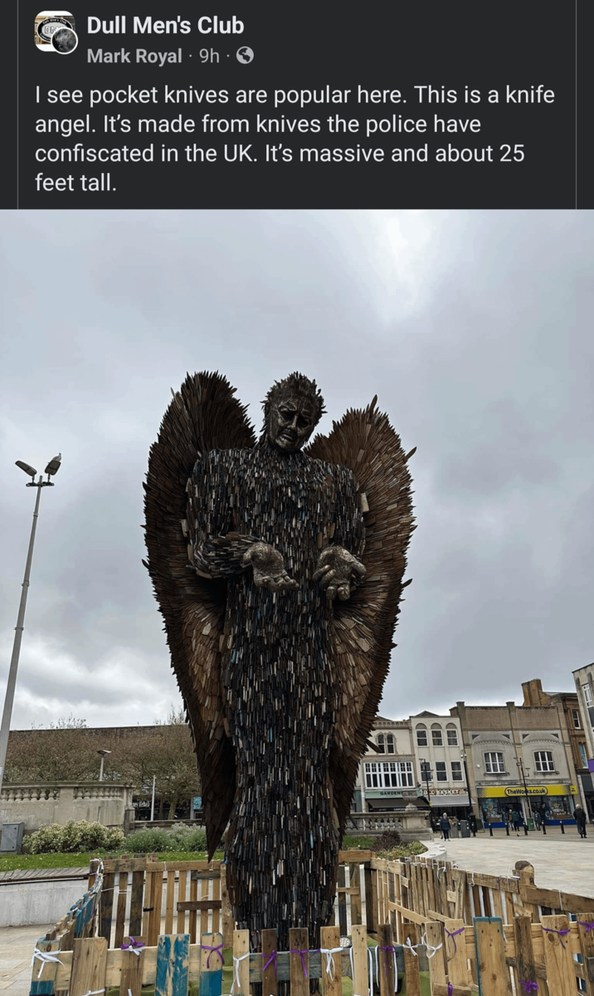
(173, 963)
(169, 902)
(331, 974)
(198, 905)
(342, 907)
(370, 876)
(269, 957)
(131, 972)
(154, 908)
(135, 926)
(360, 963)
(217, 918)
(559, 963)
(203, 924)
(434, 936)
(227, 924)
(89, 964)
(454, 945)
(43, 973)
(411, 961)
(355, 880)
(106, 907)
(121, 909)
(386, 971)
(241, 962)
(181, 895)
(409, 915)
(492, 970)
(525, 962)
(193, 927)
(211, 964)
(586, 936)
(354, 854)
(299, 961)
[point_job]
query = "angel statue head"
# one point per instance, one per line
(292, 409)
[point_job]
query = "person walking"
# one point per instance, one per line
(472, 824)
(580, 820)
(517, 821)
(445, 826)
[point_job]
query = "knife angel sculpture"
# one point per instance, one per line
(278, 569)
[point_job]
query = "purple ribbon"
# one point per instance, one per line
(213, 949)
(452, 934)
(133, 945)
(528, 985)
(587, 924)
(562, 933)
(271, 960)
(302, 953)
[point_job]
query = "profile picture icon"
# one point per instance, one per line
(55, 32)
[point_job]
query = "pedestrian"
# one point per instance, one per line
(517, 821)
(537, 819)
(445, 826)
(580, 819)
(472, 824)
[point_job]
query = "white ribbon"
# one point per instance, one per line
(411, 947)
(330, 952)
(236, 960)
(94, 992)
(44, 956)
(430, 949)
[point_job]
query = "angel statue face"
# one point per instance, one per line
(292, 409)
(290, 424)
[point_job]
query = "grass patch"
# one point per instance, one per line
(13, 862)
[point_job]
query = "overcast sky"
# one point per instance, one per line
(473, 328)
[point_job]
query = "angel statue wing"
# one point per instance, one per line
(365, 442)
(203, 415)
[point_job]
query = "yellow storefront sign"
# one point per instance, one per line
(518, 790)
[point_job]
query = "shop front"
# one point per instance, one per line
(548, 804)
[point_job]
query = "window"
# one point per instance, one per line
(583, 755)
(587, 693)
(422, 736)
(575, 715)
(543, 760)
(390, 748)
(494, 763)
(440, 771)
(437, 736)
(452, 736)
(426, 773)
(388, 774)
(380, 742)
(456, 771)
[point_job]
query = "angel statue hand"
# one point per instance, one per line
(268, 567)
(335, 571)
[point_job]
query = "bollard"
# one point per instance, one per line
(544, 829)
(490, 830)
(507, 829)
(525, 829)
(562, 826)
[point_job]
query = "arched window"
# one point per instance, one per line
(380, 742)
(436, 735)
(390, 746)
(421, 735)
(452, 735)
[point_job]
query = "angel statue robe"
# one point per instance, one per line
(281, 687)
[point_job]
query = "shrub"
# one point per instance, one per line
(72, 837)
(386, 841)
(178, 838)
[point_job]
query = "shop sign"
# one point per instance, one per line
(531, 790)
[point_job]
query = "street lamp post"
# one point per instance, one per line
(51, 469)
(520, 765)
(463, 756)
(426, 774)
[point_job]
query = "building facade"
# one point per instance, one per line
(519, 758)
(387, 780)
(441, 763)
(584, 688)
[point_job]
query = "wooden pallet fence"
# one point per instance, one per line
(78, 922)
(554, 957)
(421, 889)
(143, 897)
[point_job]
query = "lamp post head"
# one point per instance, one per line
(54, 465)
(28, 469)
